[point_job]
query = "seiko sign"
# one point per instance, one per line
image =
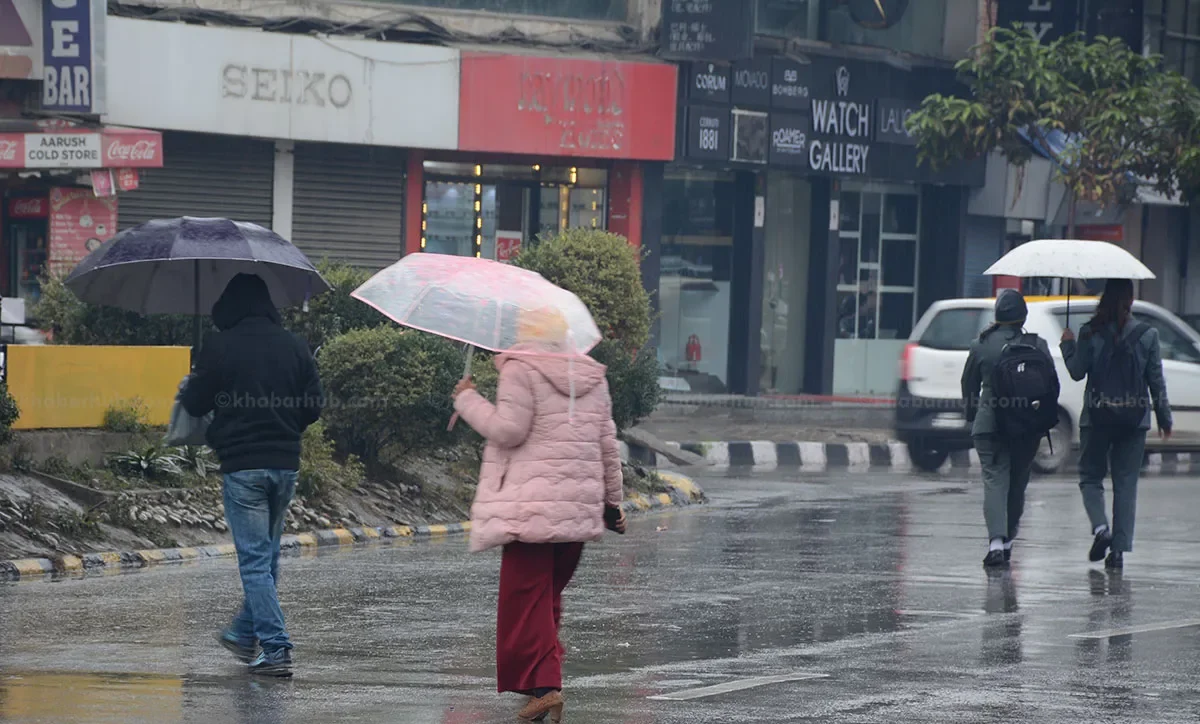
(238, 82)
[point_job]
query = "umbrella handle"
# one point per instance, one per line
(466, 376)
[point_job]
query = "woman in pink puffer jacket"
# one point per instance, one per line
(550, 468)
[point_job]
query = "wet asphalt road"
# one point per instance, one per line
(862, 594)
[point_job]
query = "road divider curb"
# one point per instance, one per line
(681, 491)
(818, 457)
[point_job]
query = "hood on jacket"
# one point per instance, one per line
(570, 375)
(245, 296)
(1011, 307)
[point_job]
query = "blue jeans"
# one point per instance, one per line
(256, 504)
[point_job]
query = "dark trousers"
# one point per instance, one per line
(532, 578)
(1124, 450)
(1007, 465)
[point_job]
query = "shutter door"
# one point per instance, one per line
(348, 203)
(205, 175)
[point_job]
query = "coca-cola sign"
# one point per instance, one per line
(28, 207)
(120, 152)
(10, 151)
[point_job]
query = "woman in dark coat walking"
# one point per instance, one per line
(1103, 440)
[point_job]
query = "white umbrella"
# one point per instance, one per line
(1070, 259)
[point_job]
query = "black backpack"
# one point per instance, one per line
(1118, 394)
(1025, 385)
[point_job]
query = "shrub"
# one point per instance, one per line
(320, 471)
(71, 321)
(334, 312)
(197, 460)
(9, 412)
(604, 271)
(126, 416)
(388, 390)
(151, 463)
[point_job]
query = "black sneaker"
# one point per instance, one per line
(1115, 561)
(995, 559)
(1100, 546)
(276, 663)
(1007, 550)
(241, 652)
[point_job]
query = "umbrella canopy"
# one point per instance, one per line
(181, 266)
(1070, 259)
(476, 301)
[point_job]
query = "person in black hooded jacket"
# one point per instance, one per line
(261, 384)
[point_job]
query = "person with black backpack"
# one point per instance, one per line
(1011, 390)
(1121, 359)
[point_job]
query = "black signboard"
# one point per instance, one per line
(893, 114)
(790, 84)
(789, 139)
(707, 29)
(750, 136)
(707, 133)
(752, 83)
(1048, 19)
(708, 82)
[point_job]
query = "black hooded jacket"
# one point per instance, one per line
(260, 381)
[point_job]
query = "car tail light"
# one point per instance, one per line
(906, 361)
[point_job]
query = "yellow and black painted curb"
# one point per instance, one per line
(682, 491)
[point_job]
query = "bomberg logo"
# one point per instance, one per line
(843, 80)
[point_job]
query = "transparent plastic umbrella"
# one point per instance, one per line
(475, 301)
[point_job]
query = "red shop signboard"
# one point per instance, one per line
(545, 106)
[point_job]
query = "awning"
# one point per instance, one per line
(58, 144)
(1057, 141)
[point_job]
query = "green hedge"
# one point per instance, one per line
(604, 271)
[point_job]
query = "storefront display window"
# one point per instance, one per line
(785, 283)
(904, 25)
(788, 18)
(492, 210)
(695, 294)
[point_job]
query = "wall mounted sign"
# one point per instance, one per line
(73, 43)
(1049, 20)
(562, 106)
(893, 115)
(752, 83)
(707, 29)
(789, 139)
(709, 82)
(708, 133)
(239, 82)
(790, 84)
(750, 137)
(67, 147)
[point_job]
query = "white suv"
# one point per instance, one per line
(929, 404)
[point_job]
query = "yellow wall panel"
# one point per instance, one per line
(59, 386)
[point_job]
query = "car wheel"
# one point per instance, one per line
(1047, 462)
(926, 458)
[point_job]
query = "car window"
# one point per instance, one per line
(955, 329)
(1172, 342)
(1079, 317)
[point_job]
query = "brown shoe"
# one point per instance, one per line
(551, 704)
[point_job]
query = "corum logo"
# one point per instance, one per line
(12, 28)
(843, 80)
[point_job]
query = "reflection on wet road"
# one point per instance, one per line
(847, 598)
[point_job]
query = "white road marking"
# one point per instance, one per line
(1149, 628)
(739, 685)
(937, 614)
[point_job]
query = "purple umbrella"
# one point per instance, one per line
(181, 266)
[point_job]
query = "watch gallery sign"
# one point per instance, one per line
(73, 41)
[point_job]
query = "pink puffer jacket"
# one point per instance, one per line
(551, 461)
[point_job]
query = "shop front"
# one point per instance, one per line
(61, 183)
(801, 237)
(546, 143)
